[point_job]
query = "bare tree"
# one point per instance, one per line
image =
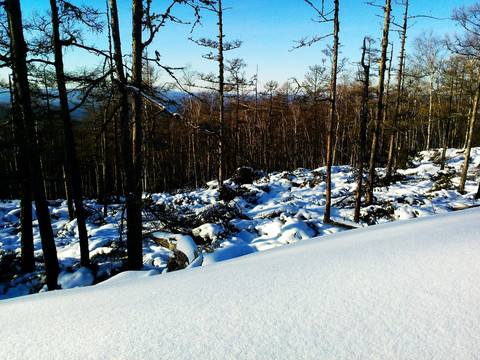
(270, 90)
(22, 90)
(27, 245)
(398, 96)
(219, 46)
(144, 19)
(72, 166)
(328, 16)
(237, 82)
(428, 52)
(468, 46)
(365, 63)
(379, 109)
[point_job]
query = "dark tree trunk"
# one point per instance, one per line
(124, 107)
(68, 195)
(134, 207)
(363, 131)
(134, 229)
(19, 54)
(393, 136)
(473, 115)
(221, 84)
(105, 168)
(447, 128)
(379, 110)
(72, 167)
(331, 125)
(27, 246)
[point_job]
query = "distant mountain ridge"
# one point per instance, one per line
(173, 96)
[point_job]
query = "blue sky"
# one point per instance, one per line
(268, 30)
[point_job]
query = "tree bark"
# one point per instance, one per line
(27, 246)
(331, 125)
(20, 72)
(473, 115)
(124, 106)
(134, 207)
(379, 110)
(363, 132)
(221, 85)
(430, 111)
(447, 128)
(396, 111)
(134, 212)
(72, 167)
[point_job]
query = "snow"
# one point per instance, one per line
(81, 277)
(208, 232)
(402, 290)
(183, 243)
(227, 253)
(278, 209)
(186, 245)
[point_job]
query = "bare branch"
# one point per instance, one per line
(150, 18)
(91, 49)
(89, 89)
(304, 42)
(164, 110)
(42, 61)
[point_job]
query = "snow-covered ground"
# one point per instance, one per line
(274, 210)
(403, 290)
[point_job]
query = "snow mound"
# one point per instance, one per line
(227, 253)
(403, 290)
(81, 277)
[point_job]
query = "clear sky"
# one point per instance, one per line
(268, 29)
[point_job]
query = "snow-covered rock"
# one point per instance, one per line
(227, 253)
(208, 232)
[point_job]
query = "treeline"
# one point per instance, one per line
(280, 128)
(133, 135)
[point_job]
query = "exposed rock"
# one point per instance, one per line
(246, 175)
(227, 193)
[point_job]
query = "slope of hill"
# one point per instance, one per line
(404, 290)
(272, 211)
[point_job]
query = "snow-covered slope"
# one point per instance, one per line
(249, 215)
(406, 290)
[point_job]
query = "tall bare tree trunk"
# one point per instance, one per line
(396, 111)
(134, 239)
(72, 168)
(379, 110)
(221, 84)
(105, 167)
(124, 107)
(430, 112)
(331, 125)
(363, 130)
(473, 115)
(22, 88)
(447, 128)
(27, 246)
(134, 210)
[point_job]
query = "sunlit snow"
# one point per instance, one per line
(276, 210)
(404, 290)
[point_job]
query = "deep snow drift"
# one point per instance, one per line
(403, 290)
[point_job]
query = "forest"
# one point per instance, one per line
(113, 133)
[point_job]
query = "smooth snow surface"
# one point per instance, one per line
(404, 290)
